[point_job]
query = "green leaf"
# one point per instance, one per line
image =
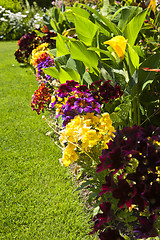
(80, 52)
(151, 62)
(53, 52)
(111, 26)
(85, 29)
(76, 65)
(146, 83)
(62, 60)
(107, 53)
(54, 25)
(127, 14)
(52, 71)
(133, 80)
(134, 26)
(103, 28)
(87, 78)
(133, 56)
(69, 15)
(76, 10)
(61, 46)
(68, 74)
(96, 210)
(63, 74)
(123, 110)
(47, 20)
(116, 120)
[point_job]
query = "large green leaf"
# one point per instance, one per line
(80, 52)
(63, 74)
(107, 53)
(111, 26)
(133, 56)
(89, 78)
(62, 60)
(85, 29)
(61, 46)
(76, 65)
(127, 14)
(52, 71)
(75, 10)
(134, 26)
(68, 74)
(103, 28)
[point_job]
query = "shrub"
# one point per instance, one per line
(12, 5)
(14, 24)
(40, 3)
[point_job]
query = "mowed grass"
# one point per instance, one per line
(37, 197)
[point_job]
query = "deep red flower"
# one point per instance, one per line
(152, 195)
(124, 192)
(110, 234)
(147, 228)
(109, 185)
(40, 99)
(103, 91)
(102, 218)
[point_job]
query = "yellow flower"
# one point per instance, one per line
(83, 133)
(90, 139)
(118, 44)
(69, 155)
(37, 52)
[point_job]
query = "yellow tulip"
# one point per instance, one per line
(118, 44)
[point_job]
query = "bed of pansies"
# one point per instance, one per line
(99, 83)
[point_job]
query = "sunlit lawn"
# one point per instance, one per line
(37, 197)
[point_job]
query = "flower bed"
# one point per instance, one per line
(99, 79)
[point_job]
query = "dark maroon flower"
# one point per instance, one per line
(102, 218)
(152, 195)
(124, 192)
(147, 228)
(104, 91)
(110, 234)
(111, 159)
(138, 198)
(30, 41)
(83, 88)
(142, 175)
(109, 186)
(106, 215)
(72, 83)
(63, 90)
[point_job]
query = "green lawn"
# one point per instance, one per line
(37, 197)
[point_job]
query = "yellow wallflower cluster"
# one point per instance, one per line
(40, 52)
(83, 133)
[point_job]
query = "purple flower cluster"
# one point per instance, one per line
(49, 62)
(139, 186)
(75, 99)
(103, 91)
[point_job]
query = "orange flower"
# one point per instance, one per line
(152, 5)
